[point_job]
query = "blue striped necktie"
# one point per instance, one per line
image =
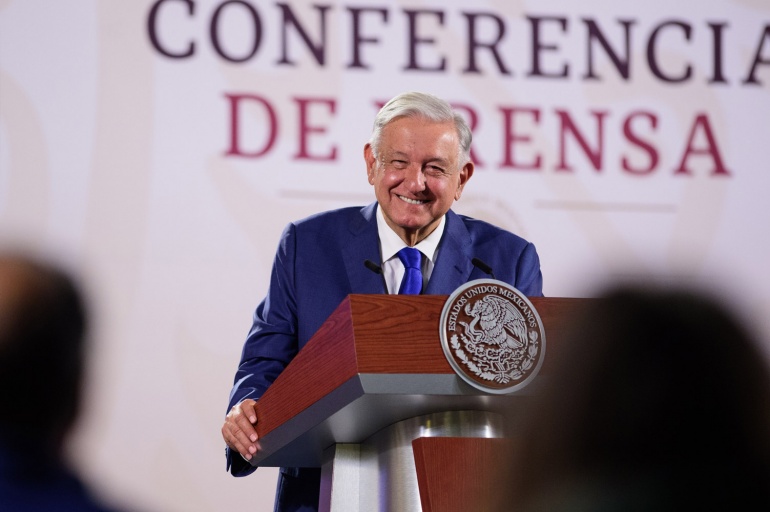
(412, 282)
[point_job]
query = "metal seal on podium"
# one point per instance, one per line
(492, 336)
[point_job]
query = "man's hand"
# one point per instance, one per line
(239, 429)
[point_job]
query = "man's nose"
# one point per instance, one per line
(414, 178)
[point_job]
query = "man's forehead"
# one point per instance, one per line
(439, 142)
(420, 123)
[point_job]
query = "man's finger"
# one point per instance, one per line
(237, 440)
(241, 423)
(249, 408)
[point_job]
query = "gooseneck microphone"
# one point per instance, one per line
(483, 267)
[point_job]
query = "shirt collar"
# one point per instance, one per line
(391, 243)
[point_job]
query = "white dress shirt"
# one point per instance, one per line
(391, 243)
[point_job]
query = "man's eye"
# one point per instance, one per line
(399, 164)
(434, 171)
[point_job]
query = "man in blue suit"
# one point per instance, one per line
(418, 161)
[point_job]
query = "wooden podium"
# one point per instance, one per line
(372, 400)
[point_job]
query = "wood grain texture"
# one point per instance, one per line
(458, 474)
(326, 362)
(399, 334)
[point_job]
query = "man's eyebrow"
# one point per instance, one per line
(396, 154)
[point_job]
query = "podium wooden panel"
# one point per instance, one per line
(455, 474)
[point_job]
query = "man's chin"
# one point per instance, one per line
(414, 222)
(415, 226)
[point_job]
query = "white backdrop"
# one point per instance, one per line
(132, 166)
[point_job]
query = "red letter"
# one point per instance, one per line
(711, 149)
(272, 125)
(636, 141)
(567, 124)
(305, 129)
(511, 137)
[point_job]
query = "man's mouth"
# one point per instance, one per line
(412, 201)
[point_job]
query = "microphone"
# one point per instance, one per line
(373, 266)
(483, 267)
(377, 270)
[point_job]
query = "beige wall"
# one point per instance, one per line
(114, 158)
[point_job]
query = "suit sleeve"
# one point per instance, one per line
(272, 340)
(529, 279)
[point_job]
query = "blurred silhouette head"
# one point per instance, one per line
(660, 401)
(42, 324)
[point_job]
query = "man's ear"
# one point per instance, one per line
(465, 174)
(371, 162)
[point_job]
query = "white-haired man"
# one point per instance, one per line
(418, 162)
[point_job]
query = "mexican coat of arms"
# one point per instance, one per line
(492, 336)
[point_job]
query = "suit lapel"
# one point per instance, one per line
(363, 244)
(453, 266)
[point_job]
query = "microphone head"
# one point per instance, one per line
(483, 267)
(373, 266)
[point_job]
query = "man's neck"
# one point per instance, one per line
(412, 237)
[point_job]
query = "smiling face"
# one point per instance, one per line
(416, 174)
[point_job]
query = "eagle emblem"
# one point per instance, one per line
(492, 336)
(499, 321)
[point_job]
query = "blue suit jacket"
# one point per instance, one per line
(319, 262)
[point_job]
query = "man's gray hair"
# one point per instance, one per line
(427, 106)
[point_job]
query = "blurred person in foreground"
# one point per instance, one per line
(42, 352)
(659, 401)
(418, 162)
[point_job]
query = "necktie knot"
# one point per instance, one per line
(410, 257)
(412, 282)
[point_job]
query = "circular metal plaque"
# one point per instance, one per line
(492, 336)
